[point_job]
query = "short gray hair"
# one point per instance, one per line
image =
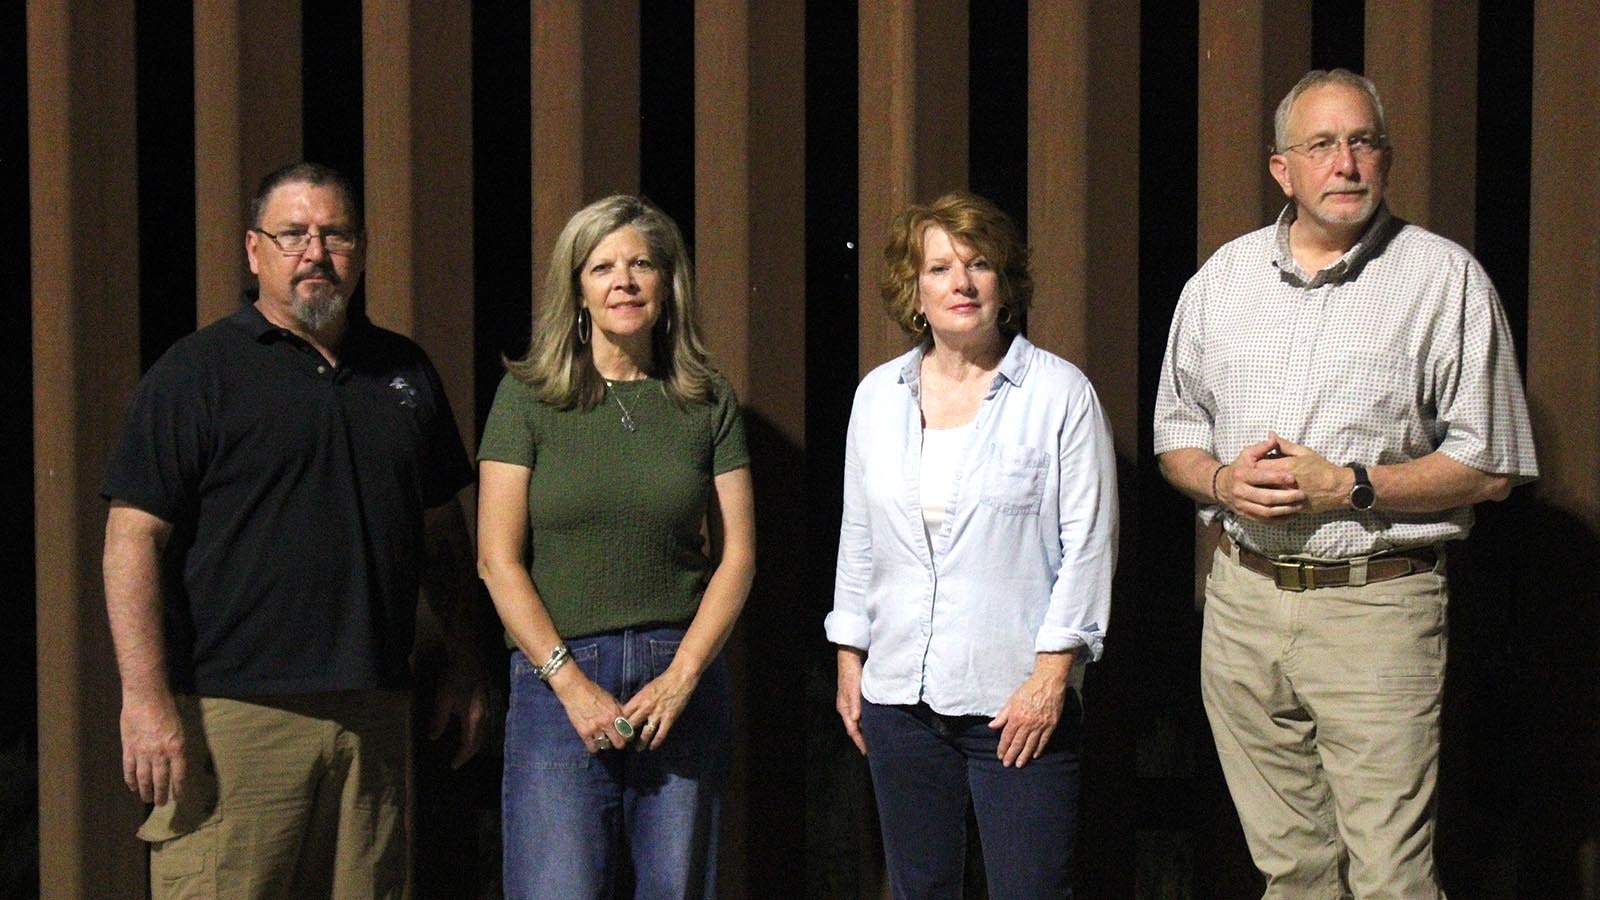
(1320, 78)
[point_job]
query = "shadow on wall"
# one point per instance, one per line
(779, 631)
(1519, 808)
(19, 820)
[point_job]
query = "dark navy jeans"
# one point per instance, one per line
(927, 767)
(575, 823)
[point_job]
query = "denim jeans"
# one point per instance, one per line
(576, 823)
(927, 767)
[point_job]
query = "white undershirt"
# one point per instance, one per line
(942, 449)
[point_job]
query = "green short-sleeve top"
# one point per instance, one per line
(614, 515)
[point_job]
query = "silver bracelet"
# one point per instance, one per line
(558, 658)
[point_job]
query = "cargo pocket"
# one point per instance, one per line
(182, 835)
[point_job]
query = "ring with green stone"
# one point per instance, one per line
(624, 727)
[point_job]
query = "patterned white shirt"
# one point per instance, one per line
(1398, 349)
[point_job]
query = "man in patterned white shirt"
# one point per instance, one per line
(1340, 388)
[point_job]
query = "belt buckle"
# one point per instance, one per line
(1293, 575)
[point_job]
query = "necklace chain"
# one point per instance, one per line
(627, 415)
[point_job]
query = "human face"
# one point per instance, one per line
(957, 289)
(311, 289)
(622, 286)
(1338, 194)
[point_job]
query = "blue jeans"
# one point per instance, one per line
(573, 821)
(927, 767)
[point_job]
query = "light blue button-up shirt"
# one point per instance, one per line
(1023, 561)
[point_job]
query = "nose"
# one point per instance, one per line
(961, 279)
(317, 248)
(1344, 156)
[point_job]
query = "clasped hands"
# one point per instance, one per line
(650, 713)
(1277, 478)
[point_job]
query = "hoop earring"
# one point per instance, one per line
(1005, 315)
(919, 322)
(585, 326)
(666, 326)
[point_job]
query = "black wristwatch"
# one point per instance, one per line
(1362, 496)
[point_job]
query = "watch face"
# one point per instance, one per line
(1362, 496)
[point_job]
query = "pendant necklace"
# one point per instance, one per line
(627, 416)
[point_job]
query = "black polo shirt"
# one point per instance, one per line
(296, 490)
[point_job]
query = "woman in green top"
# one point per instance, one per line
(609, 447)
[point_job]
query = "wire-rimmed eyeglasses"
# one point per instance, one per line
(295, 242)
(1321, 149)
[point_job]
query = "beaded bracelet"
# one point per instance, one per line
(558, 658)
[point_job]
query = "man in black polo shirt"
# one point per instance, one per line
(285, 482)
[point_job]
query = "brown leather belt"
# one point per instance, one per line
(1301, 575)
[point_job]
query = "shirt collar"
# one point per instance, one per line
(252, 322)
(250, 319)
(1345, 266)
(1013, 368)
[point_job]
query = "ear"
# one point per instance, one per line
(1278, 165)
(251, 245)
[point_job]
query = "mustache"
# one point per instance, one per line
(1347, 188)
(324, 271)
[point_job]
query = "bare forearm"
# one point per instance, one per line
(153, 741)
(732, 525)
(132, 569)
(521, 611)
(1055, 666)
(1190, 470)
(719, 610)
(1432, 483)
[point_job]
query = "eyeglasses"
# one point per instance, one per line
(294, 243)
(1322, 149)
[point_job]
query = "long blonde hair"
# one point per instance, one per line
(558, 366)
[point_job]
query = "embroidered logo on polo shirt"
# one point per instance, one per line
(408, 394)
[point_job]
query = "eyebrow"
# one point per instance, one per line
(347, 228)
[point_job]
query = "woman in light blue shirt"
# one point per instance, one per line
(975, 560)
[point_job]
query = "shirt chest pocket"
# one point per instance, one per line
(1013, 479)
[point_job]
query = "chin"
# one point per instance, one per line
(1355, 216)
(320, 309)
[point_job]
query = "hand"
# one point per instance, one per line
(153, 744)
(1325, 485)
(1259, 487)
(463, 695)
(848, 699)
(590, 708)
(658, 705)
(1030, 717)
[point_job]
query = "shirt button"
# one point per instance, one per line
(322, 370)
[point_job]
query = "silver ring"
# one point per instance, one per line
(623, 726)
(601, 742)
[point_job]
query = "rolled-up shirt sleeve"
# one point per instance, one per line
(1080, 598)
(848, 624)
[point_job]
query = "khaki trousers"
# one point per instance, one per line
(1325, 709)
(300, 797)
